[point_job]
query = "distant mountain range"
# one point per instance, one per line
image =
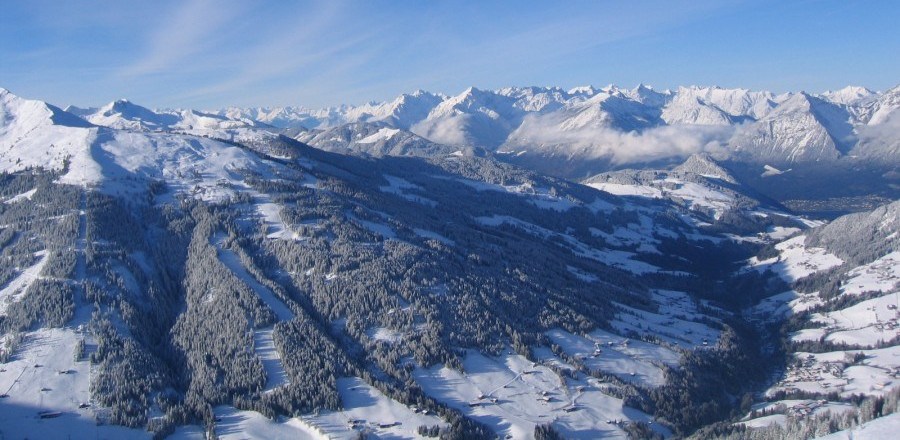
(839, 146)
(578, 132)
(625, 126)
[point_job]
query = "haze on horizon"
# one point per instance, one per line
(206, 53)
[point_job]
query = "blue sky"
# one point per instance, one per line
(213, 53)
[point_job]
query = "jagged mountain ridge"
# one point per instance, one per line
(845, 136)
(377, 139)
(500, 120)
(574, 133)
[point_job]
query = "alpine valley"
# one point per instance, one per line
(519, 263)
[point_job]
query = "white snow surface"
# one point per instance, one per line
(235, 424)
(822, 373)
(382, 134)
(690, 194)
(34, 134)
(374, 410)
(27, 195)
(764, 421)
(678, 321)
(540, 197)
(44, 377)
(881, 275)
(526, 394)
(402, 187)
(879, 429)
(264, 347)
(361, 402)
(796, 408)
(433, 236)
(865, 323)
(785, 303)
(796, 260)
(16, 288)
(631, 361)
(620, 189)
(234, 263)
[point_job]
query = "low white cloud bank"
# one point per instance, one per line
(879, 139)
(448, 131)
(621, 147)
(479, 130)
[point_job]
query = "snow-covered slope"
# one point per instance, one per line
(878, 429)
(34, 134)
(700, 184)
(376, 139)
(295, 281)
(689, 109)
(704, 165)
(850, 95)
(845, 342)
(473, 118)
(801, 129)
(402, 112)
(884, 107)
(125, 115)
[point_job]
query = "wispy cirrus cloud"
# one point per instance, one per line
(193, 28)
(211, 53)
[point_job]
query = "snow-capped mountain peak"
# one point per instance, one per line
(801, 128)
(704, 165)
(884, 107)
(123, 114)
(583, 91)
(849, 95)
(121, 158)
(17, 113)
(646, 95)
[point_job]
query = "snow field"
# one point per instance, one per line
(881, 275)
(879, 429)
(16, 288)
(865, 323)
(380, 135)
(512, 395)
(628, 190)
(793, 408)
(374, 413)
(796, 260)
(540, 197)
(630, 361)
(676, 323)
(424, 233)
(43, 377)
(785, 303)
(27, 195)
(822, 373)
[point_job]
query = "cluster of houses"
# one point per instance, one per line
(804, 409)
